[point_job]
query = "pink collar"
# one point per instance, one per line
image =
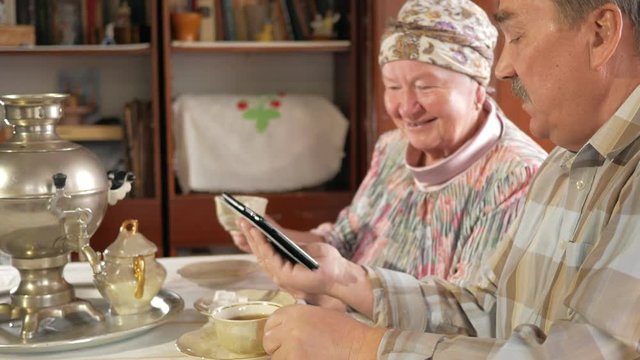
(435, 176)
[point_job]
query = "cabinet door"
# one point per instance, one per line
(382, 10)
(326, 68)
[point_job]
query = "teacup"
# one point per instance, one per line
(227, 216)
(239, 327)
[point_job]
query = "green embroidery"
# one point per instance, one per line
(263, 110)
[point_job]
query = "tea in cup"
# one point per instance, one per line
(240, 327)
(227, 216)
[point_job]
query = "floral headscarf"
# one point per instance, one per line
(453, 34)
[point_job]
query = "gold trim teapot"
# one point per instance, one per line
(129, 276)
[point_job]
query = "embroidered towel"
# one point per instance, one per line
(251, 143)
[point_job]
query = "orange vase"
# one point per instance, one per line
(186, 25)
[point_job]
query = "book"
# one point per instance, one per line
(296, 22)
(7, 12)
(301, 19)
(90, 22)
(219, 20)
(206, 8)
(257, 16)
(138, 131)
(229, 21)
(279, 30)
(26, 12)
(44, 22)
(131, 144)
(286, 18)
(68, 22)
(17, 35)
(240, 21)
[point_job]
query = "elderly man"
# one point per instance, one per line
(565, 284)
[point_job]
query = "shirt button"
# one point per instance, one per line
(580, 185)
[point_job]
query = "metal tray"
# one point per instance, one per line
(75, 333)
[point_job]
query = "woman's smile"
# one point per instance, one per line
(419, 124)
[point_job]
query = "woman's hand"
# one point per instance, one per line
(296, 278)
(241, 241)
(308, 332)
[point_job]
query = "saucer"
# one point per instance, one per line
(203, 343)
(211, 273)
(280, 297)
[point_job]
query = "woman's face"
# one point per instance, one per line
(437, 109)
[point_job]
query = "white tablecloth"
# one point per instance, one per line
(159, 342)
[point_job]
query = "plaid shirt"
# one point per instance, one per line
(565, 284)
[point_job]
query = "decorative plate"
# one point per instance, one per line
(214, 273)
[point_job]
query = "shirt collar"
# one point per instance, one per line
(439, 174)
(621, 129)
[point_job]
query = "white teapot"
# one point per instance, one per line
(129, 276)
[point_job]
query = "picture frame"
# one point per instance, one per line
(83, 86)
(68, 22)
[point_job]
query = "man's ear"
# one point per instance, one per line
(605, 28)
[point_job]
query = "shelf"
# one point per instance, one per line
(85, 132)
(194, 224)
(90, 132)
(267, 46)
(62, 50)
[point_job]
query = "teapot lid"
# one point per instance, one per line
(130, 242)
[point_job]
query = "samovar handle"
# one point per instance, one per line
(120, 185)
(2, 113)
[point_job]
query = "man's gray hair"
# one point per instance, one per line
(572, 11)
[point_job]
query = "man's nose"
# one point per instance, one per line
(504, 67)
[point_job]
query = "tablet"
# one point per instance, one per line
(287, 248)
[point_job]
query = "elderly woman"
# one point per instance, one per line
(444, 187)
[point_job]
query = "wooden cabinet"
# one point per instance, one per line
(380, 12)
(125, 72)
(327, 68)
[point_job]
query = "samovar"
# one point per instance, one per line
(53, 196)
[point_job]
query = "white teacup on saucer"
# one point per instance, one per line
(203, 343)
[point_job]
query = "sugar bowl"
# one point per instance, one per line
(130, 276)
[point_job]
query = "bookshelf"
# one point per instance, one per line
(126, 72)
(328, 68)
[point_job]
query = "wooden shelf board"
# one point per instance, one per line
(267, 46)
(101, 50)
(193, 221)
(85, 132)
(272, 195)
(90, 132)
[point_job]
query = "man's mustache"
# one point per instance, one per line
(517, 88)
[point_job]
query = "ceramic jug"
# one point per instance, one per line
(130, 276)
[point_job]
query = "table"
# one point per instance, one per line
(159, 342)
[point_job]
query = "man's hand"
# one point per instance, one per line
(308, 332)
